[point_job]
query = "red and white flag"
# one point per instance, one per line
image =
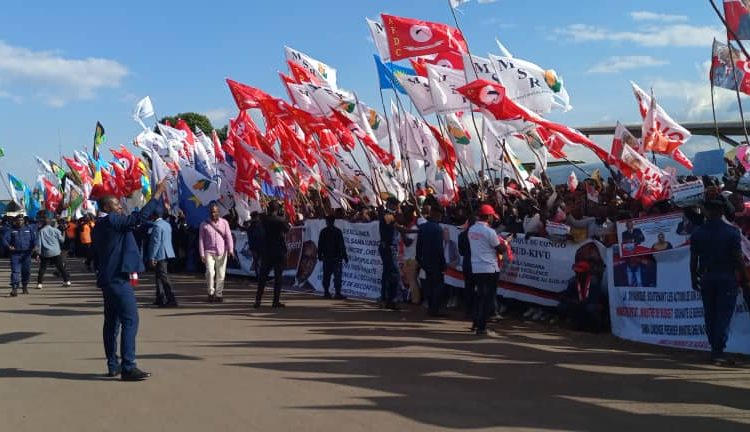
(408, 37)
(572, 181)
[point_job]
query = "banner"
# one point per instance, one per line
(651, 300)
(242, 263)
(360, 276)
(652, 234)
(687, 194)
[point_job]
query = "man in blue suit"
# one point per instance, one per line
(158, 252)
(432, 260)
(116, 258)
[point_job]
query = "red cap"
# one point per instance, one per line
(582, 267)
(486, 210)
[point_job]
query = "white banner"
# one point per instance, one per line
(651, 300)
(687, 194)
(361, 276)
(652, 234)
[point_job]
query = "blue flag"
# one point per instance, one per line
(191, 205)
(387, 73)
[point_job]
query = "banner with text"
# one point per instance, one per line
(651, 300)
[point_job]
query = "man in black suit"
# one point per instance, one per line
(432, 260)
(332, 251)
(116, 258)
(273, 255)
(632, 235)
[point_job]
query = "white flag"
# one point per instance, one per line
(143, 110)
(531, 86)
(380, 39)
(443, 84)
(302, 97)
(476, 67)
(317, 68)
(418, 89)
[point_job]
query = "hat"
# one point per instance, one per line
(487, 210)
(582, 267)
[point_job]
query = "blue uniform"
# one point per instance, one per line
(432, 260)
(716, 244)
(23, 241)
(116, 256)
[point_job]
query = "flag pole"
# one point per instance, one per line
(713, 111)
(730, 32)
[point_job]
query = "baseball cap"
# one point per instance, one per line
(487, 210)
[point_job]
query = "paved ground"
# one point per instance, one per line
(320, 365)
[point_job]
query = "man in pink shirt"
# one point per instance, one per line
(214, 244)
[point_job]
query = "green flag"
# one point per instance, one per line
(2, 152)
(99, 139)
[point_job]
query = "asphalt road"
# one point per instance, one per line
(321, 365)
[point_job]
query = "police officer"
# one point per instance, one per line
(20, 240)
(332, 251)
(715, 260)
(388, 251)
(431, 259)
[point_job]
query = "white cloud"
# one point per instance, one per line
(218, 116)
(617, 64)
(486, 1)
(652, 16)
(55, 79)
(682, 35)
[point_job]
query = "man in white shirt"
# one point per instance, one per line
(485, 246)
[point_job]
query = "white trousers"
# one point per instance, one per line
(216, 267)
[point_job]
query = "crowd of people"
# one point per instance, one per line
(116, 246)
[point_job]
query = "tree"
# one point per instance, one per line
(193, 120)
(222, 132)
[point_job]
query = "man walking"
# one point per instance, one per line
(215, 243)
(117, 261)
(20, 241)
(48, 243)
(485, 247)
(159, 252)
(715, 260)
(431, 259)
(273, 255)
(87, 225)
(332, 251)
(388, 251)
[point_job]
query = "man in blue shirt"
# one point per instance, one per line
(715, 261)
(116, 259)
(20, 240)
(432, 260)
(158, 253)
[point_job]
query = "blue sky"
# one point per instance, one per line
(65, 65)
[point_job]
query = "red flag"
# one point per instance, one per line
(449, 59)
(491, 97)
(737, 13)
(447, 152)
(553, 142)
(409, 37)
(302, 75)
(246, 169)
(108, 186)
(52, 196)
(217, 146)
(128, 176)
(79, 170)
(383, 156)
(246, 96)
(419, 65)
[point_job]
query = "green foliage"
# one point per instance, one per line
(192, 119)
(222, 132)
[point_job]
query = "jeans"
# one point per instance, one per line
(268, 263)
(163, 283)
(57, 261)
(120, 312)
(391, 276)
(20, 269)
(719, 293)
(486, 286)
(332, 267)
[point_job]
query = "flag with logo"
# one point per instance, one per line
(143, 110)
(99, 139)
(737, 16)
(408, 37)
(418, 89)
(528, 84)
(379, 38)
(443, 83)
(729, 70)
(389, 72)
(319, 69)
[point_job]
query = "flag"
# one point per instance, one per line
(52, 195)
(2, 152)
(218, 151)
(409, 37)
(246, 96)
(57, 170)
(418, 89)
(622, 138)
(476, 67)
(99, 139)
(378, 36)
(44, 167)
(143, 110)
(737, 16)
(492, 98)
(727, 74)
(192, 206)
(443, 83)
(367, 140)
(74, 197)
(661, 133)
(572, 182)
(460, 137)
(389, 72)
(457, 3)
(81, 172)
(16, 186)
(530, 85)
(317, 68)
(448, 59)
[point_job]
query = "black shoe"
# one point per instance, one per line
(25, 290)
(171, 304)
(256, 305)
(339, 297)
(159, 303)
(490, 333)
(722, 361)
(134, 375)
(218, 299)
(392, 306)
(326, 295)
(211, 298)
(438, 314)
(278, 305)
(14, 292)
(113, 373)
